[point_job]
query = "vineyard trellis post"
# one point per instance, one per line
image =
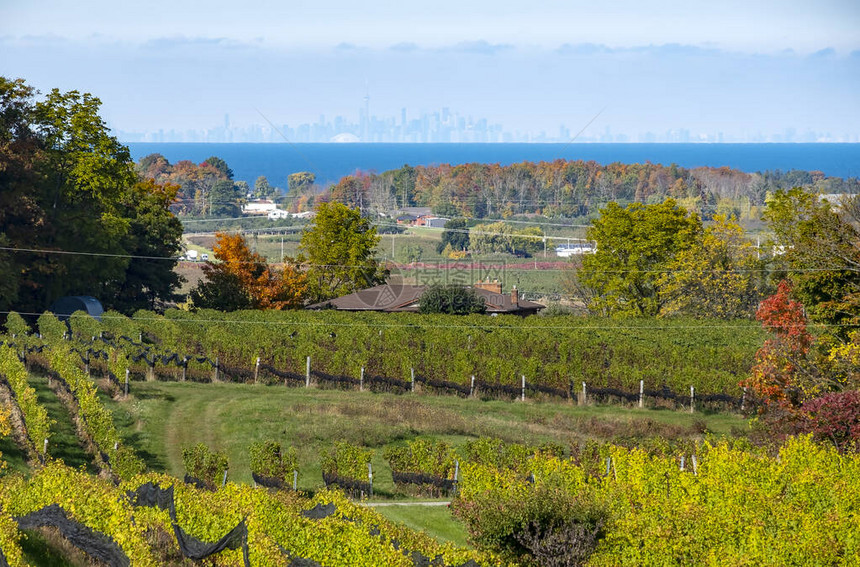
(692, 399)
(308, 373)
(582, 397)
(295, 480)
(215, 375)
(524, 388)
(744, 399)
(257, 371)
(472, 387)
(370, 478)
(361, 380)
(641, 392)
(412, 379)
(127, 371)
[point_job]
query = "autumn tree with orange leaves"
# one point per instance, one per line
(242, 279)
(782, 374)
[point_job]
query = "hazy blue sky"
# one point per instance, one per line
(731, 66)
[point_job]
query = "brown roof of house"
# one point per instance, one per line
(402, 297)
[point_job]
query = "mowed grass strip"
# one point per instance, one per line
(161, 418)
(437, 521)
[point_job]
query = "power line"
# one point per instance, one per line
(450, 265)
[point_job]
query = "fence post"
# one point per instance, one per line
(472, 387)
(361, 380)
(692, 399)
(370, 477)
(257, 371)
(126, 381)
(308, 373)
(412, 374)
(641, 392)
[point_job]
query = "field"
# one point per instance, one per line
(162, 417)
(541, 276)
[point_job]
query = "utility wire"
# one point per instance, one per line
(453, 265)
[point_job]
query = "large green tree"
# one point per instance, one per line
(456, 234)
(70, 203)
(635, 246)
(719, 276)
(224, 199)
(818, 247)
(338, 253)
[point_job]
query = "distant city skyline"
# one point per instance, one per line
(767, 70)
(446, 126)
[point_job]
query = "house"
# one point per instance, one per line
(259, 207)
(430, 221)
(392, 298)
(406, 219)
(279, 214)
(578, 249)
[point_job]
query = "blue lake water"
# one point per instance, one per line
(330, 162)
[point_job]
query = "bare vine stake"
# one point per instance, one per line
(524, 388)
(472, 387)
(361, 380)
(692, 399)
(641, 392)
(295, 480)
(257, 371)
(308, 373)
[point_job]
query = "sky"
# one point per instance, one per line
(737, 67)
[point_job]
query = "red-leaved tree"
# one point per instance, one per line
(782, 373)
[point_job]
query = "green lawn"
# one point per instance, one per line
(437, 521)
(160, 418)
